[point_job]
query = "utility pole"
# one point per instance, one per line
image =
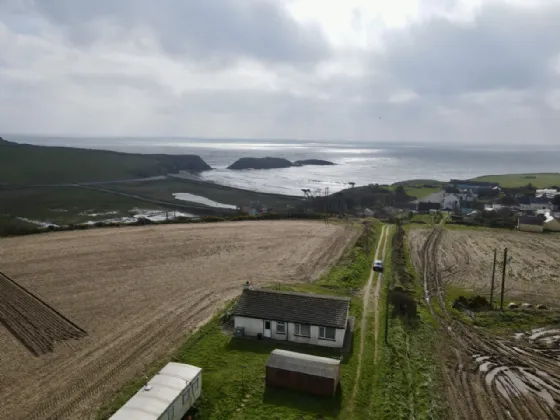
(493, 275)
(503, 280)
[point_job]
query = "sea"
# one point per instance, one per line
(362, 163)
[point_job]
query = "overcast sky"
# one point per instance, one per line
(401, 70)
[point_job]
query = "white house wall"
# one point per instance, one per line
(255, 326)
(277, 336)
(553, 225)
(530, 228)
(314, 337)
(252, 326)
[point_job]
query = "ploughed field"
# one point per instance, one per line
(489, 377)
(97, 306)
(465, 260)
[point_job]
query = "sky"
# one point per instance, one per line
(438, 71)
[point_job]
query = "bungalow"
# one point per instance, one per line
(299, 317)
(530, 224)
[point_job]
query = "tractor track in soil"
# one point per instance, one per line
(36, 324)
(115, 362)
(489, 377)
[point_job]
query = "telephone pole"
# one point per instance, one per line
(503, 280)
(493, 276)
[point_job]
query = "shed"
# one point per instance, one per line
(530, 224)
(167, 396)
(303, 372)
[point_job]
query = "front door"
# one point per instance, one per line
(267, 329)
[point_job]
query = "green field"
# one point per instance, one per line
(543, 180)
(420, 188)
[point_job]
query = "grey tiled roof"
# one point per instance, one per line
(530, 220)
(301, 308)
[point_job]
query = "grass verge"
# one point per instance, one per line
(233, 368)
(408, 384)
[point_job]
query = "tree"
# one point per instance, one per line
(352, 184)
(400, 190)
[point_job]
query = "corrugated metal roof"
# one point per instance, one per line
(151, 401)
(304, 363)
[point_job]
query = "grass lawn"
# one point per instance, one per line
(543, 180)
(233, 368)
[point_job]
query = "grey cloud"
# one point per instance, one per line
(505, 47)
(198, 28)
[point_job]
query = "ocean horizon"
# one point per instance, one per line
(360, 162)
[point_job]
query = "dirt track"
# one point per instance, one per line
(486, 377)
(137, 292)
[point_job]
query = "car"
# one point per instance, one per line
(378, 266)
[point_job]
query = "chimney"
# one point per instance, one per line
(247, 285)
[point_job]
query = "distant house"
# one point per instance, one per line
(467, 184)
(535, 203)
(291, 316)
(425, 207)
(450, 201)
(530, 224)
(303, 372)
(546, 192)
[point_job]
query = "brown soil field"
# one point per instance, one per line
(137, 292)
(489, 377)
(465, 260)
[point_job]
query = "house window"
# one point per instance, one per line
(302, 330)
(327, 333)
(280, 327)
